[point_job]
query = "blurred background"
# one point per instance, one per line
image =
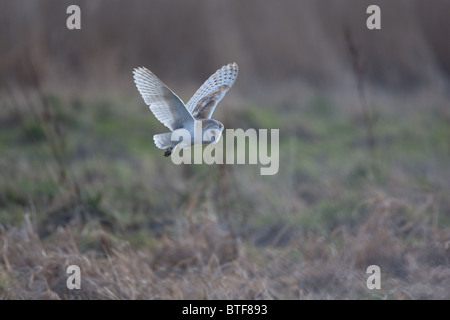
(364, 178)
(273, 43)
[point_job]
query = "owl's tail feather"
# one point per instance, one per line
(162, 141)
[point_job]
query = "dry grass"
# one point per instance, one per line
(202, 262)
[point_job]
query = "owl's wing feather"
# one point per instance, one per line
(165, 105)
(204, 101)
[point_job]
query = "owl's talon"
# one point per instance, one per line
(168, 152)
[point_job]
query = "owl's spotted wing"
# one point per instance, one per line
(204, 101)
(164, 104)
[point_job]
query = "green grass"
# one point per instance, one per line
(109, 150)
(110, 185)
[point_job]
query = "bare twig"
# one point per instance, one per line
(358, 71)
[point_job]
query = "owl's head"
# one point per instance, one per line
(211, 131)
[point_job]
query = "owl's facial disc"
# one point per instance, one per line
(216, 135)
(212, 131)
(212, 135)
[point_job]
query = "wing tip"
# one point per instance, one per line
(137, 69)
(233, 65)
(141, 71)
(231, 68)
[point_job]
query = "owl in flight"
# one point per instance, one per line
(175, 115)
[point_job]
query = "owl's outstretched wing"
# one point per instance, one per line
(164, 104)
(204, 101)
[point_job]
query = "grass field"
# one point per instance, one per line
(83, 184)
(364, 157)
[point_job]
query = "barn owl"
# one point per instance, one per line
(175, 115)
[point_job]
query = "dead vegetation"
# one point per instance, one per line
(201, 261)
